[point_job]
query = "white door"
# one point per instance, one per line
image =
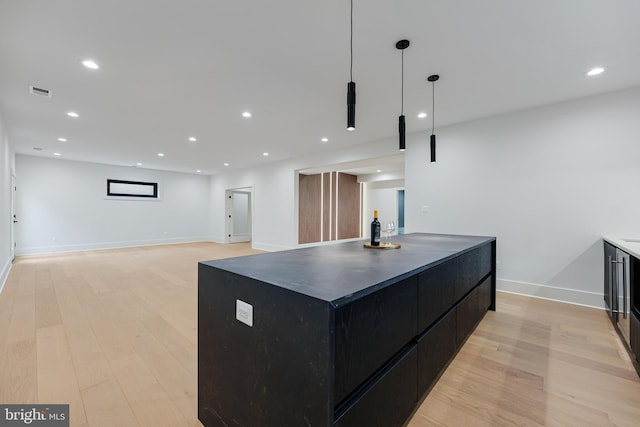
(238, 209)
(14, 219)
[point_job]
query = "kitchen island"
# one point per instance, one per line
(338, 334)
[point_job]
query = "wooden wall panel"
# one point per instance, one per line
(348, 206)
(334, 206)
(309, 208)
(326, 206)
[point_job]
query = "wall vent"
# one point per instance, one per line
(40, 91)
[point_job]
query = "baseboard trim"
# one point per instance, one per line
(106, 245)
(4, 275)
(216, 239)
(570, 296)
(269, 247)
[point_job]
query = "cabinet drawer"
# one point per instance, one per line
(370, 331)
(441, 287)
(473, 266)
(435, 293)
(435, 348)
(634, 337)
(472, 309)
(389, 400)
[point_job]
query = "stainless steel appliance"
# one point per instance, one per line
(621, 297)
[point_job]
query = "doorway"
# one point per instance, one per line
(400, 211)
(14, 219)
(238, 215)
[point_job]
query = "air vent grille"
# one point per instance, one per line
(40, 91)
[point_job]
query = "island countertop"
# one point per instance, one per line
(340, 272)
(631, 246)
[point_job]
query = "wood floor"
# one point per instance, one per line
(114, 333)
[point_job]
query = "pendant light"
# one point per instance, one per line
(402, 45)
(351, 86)
(433, 79)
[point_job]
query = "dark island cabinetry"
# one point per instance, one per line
(336, 335)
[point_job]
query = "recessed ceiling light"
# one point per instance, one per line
(198, 171)
(90, 64)
(160, 154)
(595, 71)
(226, 164)
(246, 114)
(56, 154)
(73, 114)
(422, 115)
(265, 154)
(62, 139)
(325, 140)
(138, 164)
(378, 171)
(192, 139)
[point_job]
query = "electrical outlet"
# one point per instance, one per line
(425, 209)
(244, 312)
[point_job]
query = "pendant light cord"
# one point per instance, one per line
(402, 87)
(433, 106)
(351, 45)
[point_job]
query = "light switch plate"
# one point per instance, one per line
(244, 312)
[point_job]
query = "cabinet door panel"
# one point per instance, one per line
(472, 267)
(370, 331)
(390, 399)
(609, 277)
(635, 335)
(435, 349)
(436, 293)
(472, 309)
(441, 287)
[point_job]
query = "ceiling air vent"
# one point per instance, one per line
(40, 91)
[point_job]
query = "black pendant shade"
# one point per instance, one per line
(401, 131)
(433, 79)
(402, 45)
(351, 86)
(433, 148)
(351, 106)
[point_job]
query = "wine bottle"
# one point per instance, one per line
(375, 230)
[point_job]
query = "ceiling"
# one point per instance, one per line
(389, 166)
(171, 70)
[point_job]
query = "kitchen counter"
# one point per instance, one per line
(629, 245)
(342, 272)
(337, 335)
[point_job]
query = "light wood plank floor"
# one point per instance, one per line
(114, 333)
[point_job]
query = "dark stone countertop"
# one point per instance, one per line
(338, 273)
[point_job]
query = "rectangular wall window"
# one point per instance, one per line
(119, 188)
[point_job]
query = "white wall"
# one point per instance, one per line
(62, 206)
(383, 197)
(275, 212)
(548, 182)
(6, 167)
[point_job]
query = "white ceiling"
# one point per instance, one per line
(175, 69)
(385, 165)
